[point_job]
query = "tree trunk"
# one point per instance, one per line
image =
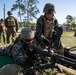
(75, 33)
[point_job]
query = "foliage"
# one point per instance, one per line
(69, 17)
(71, 21)
(31, 9)
(67, 39)
(27, 8)
(18, 5)
(30, 24)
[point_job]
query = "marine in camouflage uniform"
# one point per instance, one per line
(2, 31)
(12, 26)
(22, 53)
(47, 26)
(21, 50)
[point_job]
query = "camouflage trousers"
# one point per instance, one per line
(42, 45)
(3, 36)
(10, 31)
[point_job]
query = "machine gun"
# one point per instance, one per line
(68, 51)
(55, 59)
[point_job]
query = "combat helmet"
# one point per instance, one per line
(9, 13)
(27, 33)
(2, 19)
(49, 8)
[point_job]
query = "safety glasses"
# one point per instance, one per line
(28, 40)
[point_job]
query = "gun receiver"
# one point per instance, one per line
(56, 58)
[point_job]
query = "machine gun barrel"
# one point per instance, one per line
(57, 57)
(45, 66)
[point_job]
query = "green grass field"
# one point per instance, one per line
(68, 39)
(2, 43)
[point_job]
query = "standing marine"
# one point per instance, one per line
(12, 26)
(2, 31)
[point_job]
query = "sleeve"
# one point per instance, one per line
(6, 22)
(17, 26)
(56, 23)
(39, 28)
(18, 55)
(58, 29)
(2, 50)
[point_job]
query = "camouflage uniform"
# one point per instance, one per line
(2, 31)
(22, 53)
(6, 49)
(22, 50)
(12, 26)
(49, 28)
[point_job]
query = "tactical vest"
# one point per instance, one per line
(48, 28)
(11, 21)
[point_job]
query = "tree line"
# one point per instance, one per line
(28, 9)
(71, 21)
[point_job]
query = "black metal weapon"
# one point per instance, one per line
(55, 59)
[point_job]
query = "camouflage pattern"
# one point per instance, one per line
(21, 51)
(18, 53)
(6, 49)
(10, 69)
(48, 28)
(17, 38)
(40, 26)
(27, 33)
(2, 31)
(10, 21)
(49, 8)
(12, 28)
(40, 31)
(13, 69)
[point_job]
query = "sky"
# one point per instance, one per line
(63, 8)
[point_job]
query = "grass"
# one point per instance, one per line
(2, 43)
(68, 39)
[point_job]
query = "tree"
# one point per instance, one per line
(18, 5)
(27, 8)
(72, 22)
(69, 17)
(31, 9)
